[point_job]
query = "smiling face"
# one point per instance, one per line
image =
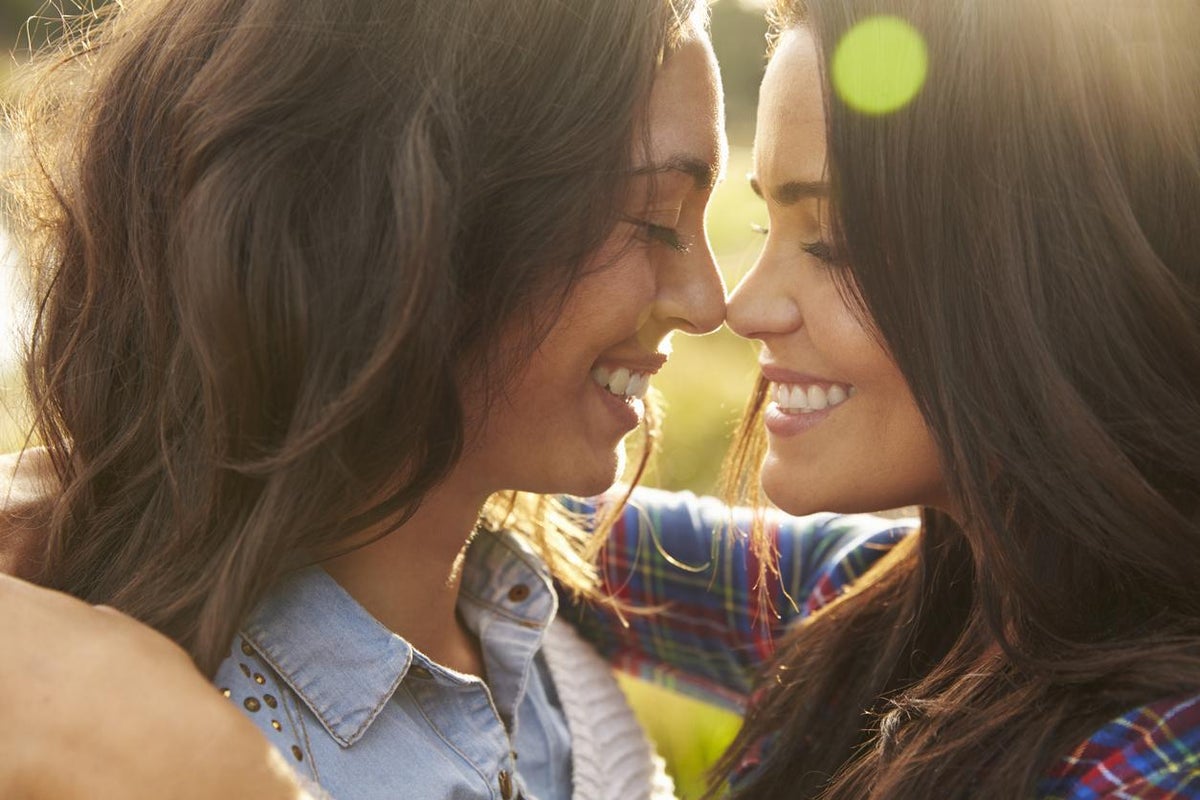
(843, 428)
(559, 427)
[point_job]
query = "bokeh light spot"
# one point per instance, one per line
(880, 65)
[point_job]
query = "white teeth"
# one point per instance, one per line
(797, 398)
(794, 398)
(817, 400)
(622, 381)
(618, 381)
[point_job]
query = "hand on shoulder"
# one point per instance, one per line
(94, 704)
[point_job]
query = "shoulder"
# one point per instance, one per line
(26, 479)
(1151, 753)
(249, 682)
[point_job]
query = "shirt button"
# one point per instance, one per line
(518, 593)
(417, 671)
(505, 785)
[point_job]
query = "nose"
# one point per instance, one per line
(691, 292)
(763, 303)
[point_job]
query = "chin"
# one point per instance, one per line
(788, 501)
(581, 479)
(581, 486)
(602, 478)
(783, 489)
(593, 488)
(798, 496)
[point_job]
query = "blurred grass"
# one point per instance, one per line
(689, 735)
(13, 418)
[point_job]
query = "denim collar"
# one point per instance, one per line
(345, 665)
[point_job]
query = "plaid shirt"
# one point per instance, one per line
(688, 558)
(1150, 753)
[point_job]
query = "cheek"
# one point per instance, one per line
(880, 455)
(846, 338)
(909, 438)
(848, 347)
(606, 309)
(903, 457)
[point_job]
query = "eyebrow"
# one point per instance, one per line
(792, 192)
(702, 172)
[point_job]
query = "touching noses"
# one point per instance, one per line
(691, 293)
(760, 304)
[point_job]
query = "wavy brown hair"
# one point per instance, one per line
(270, 236)
(1023, 239)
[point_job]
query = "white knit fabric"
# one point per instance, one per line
(611, 757)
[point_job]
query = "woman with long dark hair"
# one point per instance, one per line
(1002, 281)
(326, 292)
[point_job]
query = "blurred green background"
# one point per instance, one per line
(704, 386)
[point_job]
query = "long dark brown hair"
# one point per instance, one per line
(1023, 238)
(270, 237)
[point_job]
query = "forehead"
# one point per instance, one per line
(685, 113)
(789, 143)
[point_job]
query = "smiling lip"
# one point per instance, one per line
(635, 363)
(779, 375)
(783, 424)
(628, 410)
(792, 422)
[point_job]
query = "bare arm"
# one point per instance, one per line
(93, 704)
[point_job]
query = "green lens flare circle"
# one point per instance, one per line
(880, 65)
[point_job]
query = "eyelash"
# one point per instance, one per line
(661, 233)
(820, 250)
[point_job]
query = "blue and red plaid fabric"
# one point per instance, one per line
(689, 559)
(1150, 753)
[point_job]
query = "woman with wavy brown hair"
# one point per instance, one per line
(986, 302)
(326, 291)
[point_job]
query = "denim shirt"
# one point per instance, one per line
(356, 709)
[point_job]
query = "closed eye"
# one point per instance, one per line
(661, 233)
(821, 250)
